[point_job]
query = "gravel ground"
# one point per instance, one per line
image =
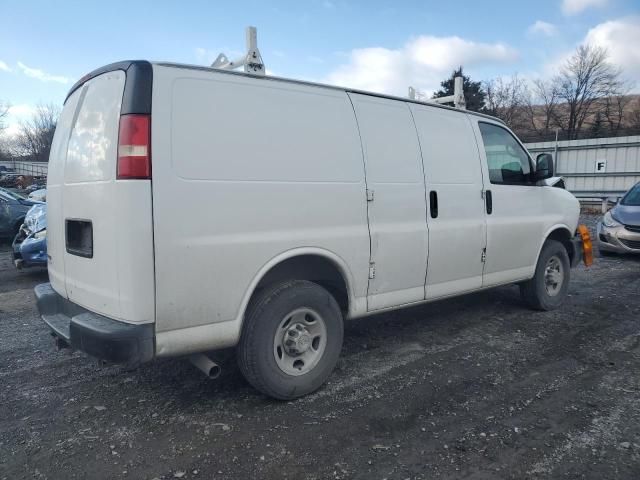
(473, 387)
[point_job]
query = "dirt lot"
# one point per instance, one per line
(476, 387)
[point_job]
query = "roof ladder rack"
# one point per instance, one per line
(457, 98)
(251, 61)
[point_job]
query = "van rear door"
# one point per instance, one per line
(100, 239)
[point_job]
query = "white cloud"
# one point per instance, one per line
(421, 62)
(4, 67)
(573, 7)
(17, 114)
(621, 38)
(544, 28)
(22, 110)
(12, 130)
(41, 75)
(328, 4)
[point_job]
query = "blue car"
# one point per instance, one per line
(30, 244)
(13, 209)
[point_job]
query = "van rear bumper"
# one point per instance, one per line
(99, 336)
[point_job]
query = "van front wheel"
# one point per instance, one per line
(548, 288)
(291, 339)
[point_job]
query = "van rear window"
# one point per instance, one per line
(93, 144)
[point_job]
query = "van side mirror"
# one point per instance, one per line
(544, 167)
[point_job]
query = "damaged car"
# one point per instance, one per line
(13, 208)
(30, 244)
(619, 228)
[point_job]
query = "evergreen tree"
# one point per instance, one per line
(597, 127)
(473, 92)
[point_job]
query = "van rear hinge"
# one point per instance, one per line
(369, 195)
(483, 257)
(372, 270)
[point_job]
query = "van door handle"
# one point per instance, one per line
(488, 201)
(433, 203)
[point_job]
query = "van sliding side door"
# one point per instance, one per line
(396, 201)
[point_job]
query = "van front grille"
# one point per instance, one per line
(635, 244)
(633, 228)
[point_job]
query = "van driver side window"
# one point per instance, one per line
(508, 162)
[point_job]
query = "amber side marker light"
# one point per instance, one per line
(587, 246)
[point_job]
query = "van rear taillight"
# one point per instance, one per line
(134, 147)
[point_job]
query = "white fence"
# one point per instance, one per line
(595, 168)
(34, 169)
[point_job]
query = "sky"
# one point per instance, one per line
(382, 46)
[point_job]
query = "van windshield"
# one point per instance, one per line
(632, 198)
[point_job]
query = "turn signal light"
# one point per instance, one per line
(587, 246)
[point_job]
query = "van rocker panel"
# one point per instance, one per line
(94, 334)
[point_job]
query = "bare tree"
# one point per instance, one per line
(4, 143)
(585, 80)
(542, 110)
(614, 110)
(507, 99)
(633, 121)
(4, 113)
(36, 134)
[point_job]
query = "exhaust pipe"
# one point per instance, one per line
(207, 366)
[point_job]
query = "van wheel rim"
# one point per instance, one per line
(553, 276)
(300, 341)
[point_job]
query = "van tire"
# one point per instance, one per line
(266, 317)
(535, 292)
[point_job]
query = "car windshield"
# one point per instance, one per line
(10, 194)
(632, 197)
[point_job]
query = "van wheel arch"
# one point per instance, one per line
(562, 235)
(311, 267)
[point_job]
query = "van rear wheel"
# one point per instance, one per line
(291, 339)
(549, 286)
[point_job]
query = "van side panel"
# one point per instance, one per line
(244, 170)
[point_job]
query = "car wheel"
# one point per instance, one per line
(16, 228)
(549, 286)
(291, 339)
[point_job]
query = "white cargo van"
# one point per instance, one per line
(193, 209)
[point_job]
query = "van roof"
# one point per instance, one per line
(142, 65)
